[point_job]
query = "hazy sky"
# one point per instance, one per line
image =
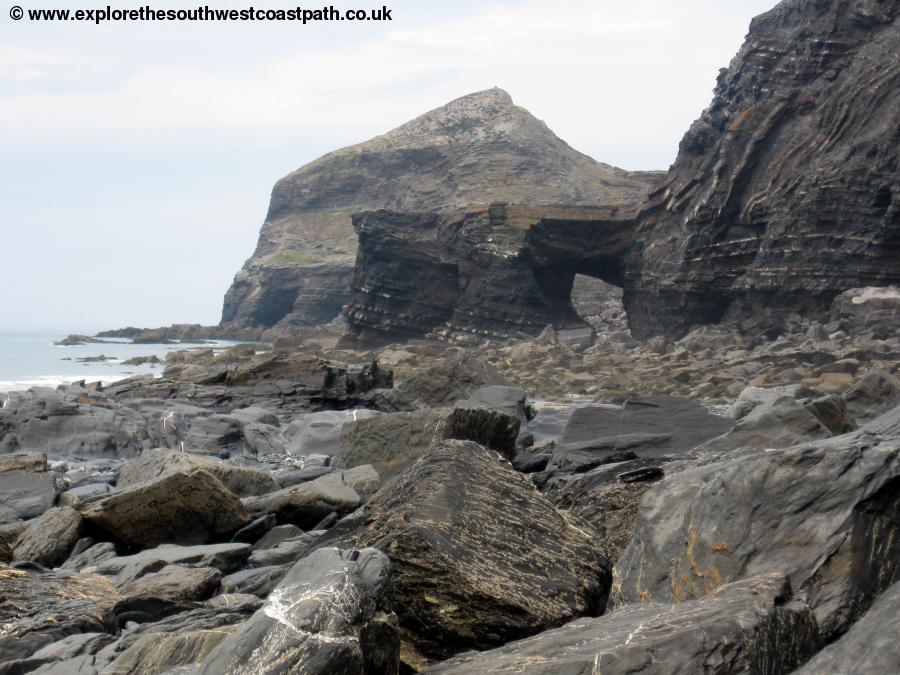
(136, 160)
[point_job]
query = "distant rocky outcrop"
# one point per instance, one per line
(785, 192)
(480, 148)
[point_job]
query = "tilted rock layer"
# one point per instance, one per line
(784, 192)
(479, 148)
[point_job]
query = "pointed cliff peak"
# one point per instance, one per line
(482, 115)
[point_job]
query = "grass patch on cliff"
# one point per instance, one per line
(293, 258)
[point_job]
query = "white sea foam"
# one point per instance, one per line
(53, 381)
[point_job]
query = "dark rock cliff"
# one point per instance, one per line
(785, 191)
(480, 148)
(486, 272)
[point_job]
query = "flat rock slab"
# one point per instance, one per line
(748, 626)
(180, 508)
(224, 557)
(316, 621)
(27, 494)
(479, 556)
(306, 504)
(174, 582)
(678, 424)
(826, 514)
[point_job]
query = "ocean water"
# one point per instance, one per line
(31, 359)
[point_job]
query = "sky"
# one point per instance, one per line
(137, 159)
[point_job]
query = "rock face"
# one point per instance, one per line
(479, 148)
(324, 617)
(479, 557)
(826, 514)
(749, 626)
(486, 272)
(784, 192)
(871, 646)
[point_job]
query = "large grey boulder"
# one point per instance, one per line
(27, 489)
(508, 400)
(182, 508)
(319, 433)
(391, 443)
(873, 395)
(752, 626)
(825, 514)
(870, 646)
(479, 556)
(324, 617)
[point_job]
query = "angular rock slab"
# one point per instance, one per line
(181, 508)
(826, 514)
(870, 646)
(307, 503)
(479, 556)
(748, 626)
(316, 620)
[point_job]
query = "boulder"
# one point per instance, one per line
(48, 540)
(258, 581)
(391, 443)
(871, 309)
(173, 582)
(223, 557)
(825, 514)
(219, 435)
(873, 395)
(73, 654)
(479, 557)
(777, 424)
(154, 464)
(324, 617)
(39, 608)
(182, 508)
(306, 504)
(870, 646)
(27, 494)
(508, 400)
(320, 432)
(752, 626)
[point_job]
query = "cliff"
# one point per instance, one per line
(479, 148)
(784, 192)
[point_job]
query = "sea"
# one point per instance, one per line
(30, 359)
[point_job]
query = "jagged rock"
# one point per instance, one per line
(508, 400)
(873, 395)
(82, 493)
(92, 555)
(183, 508)
(39, 608)
(391, 443)
(276, 535)
(219, 435)
(286, 551)
(307, 503)
(158, 653)
(464, 576)
(747, 626)
(255, 530)
(492, 151)
(783, 193)
(826, 514)
(35, 462)
(48, 540)
(317, 620)
(753, 397)
(607, 497)
(51, 421)
(872, 309)
(870, 646)
(155, 464)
